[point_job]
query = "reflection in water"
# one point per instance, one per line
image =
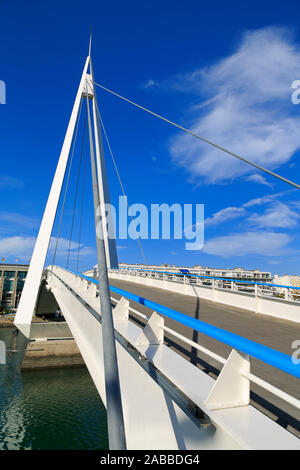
(49, 409)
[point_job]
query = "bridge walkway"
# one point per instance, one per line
(275, 333)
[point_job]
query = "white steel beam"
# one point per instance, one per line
(104, 196)
(30, 291)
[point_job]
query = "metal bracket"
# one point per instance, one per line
(231, 389)
(153, 332)
(121, 310)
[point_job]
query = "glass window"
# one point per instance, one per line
(6, 300)
(22, 274)
(20, 284)
(9, 274)
(6, 296)
(8, 285)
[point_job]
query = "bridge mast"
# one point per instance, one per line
(106, 251)
(109, 240)
(116, 433)
(31, 288)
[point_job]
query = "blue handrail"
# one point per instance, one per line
(208, 277)
(264, 353)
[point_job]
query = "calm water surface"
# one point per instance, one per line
(49, 409)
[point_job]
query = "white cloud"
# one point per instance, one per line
(18, 246)
(248, 243)
(275, 261)
(224, 214)
(279, 215)
(150, 84)
(251, 109)
(22, 247)
(234, 212)
(19, 219)
(10, 182)
(266, 199)
(63, 248)
(257, 178)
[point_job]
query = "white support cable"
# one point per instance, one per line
(256, 165)
(117, 171)
(67, 182)
(76, 190)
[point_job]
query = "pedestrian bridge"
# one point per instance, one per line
(168, 402)
(155, 394)
(277, 301)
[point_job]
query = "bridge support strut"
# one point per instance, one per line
(116, 432)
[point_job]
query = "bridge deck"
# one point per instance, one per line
(275, 333)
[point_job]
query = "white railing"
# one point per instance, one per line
(232, 387)
(251, 377)
(274, 291)
(271, 388)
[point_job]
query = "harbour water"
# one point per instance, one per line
(47, 409)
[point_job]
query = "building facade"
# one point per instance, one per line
(253, 275)
(11, 284)
(287, 280)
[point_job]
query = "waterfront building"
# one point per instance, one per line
(253, 275)
(11, 284)
(287, 280)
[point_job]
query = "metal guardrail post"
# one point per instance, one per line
(232, 388)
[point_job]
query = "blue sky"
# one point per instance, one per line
(224, 70)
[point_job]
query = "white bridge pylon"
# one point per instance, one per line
(31, 288)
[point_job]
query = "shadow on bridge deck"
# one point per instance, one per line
(275, 333)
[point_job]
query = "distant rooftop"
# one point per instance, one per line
(13, 264)
(196, 266)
